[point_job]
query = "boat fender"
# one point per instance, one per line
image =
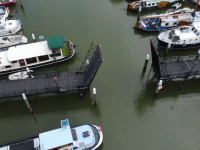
(140, 26)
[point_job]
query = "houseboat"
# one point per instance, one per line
(53, 50)
(149, 5)
(7, 2)
(180, 17)
(181, 37)
(82, 137)
(8, 41)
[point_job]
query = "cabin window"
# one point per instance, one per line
(153, 4)
(31, 60)
(198, 34)
(12, 62)
(157, 3)
(7, 66)
(43, 58)
(10, 24)
(193, 29)
(166, 24)
(149, 4)
(174, 23)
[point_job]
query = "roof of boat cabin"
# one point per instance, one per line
(55, 138)
(3, 59)
(56, 42)
(28, 51)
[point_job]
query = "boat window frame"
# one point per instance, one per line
(153, 4)
(34, 60)
(167, 24)
(41, 59)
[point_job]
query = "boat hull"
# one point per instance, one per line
(8, 3)
(178, 45)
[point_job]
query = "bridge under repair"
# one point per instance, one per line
(181, 67)
(78, 79)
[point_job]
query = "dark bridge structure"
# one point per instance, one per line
(78, 79)
(181, 67)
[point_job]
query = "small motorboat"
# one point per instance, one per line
(8, 41)
(82, 137)
(7, 2)
(20, 75)
(4, 12)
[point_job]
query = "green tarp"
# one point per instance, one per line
(56, 42)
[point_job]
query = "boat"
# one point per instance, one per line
(149, 5)
(177, 5)
(4, 12)
(8, 41)
(21, 75)
(180, 17)
(53, 50)
(7, 2)
(9, 27)
(181, 37)
(81, 137)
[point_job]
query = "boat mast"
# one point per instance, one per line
(196, 6)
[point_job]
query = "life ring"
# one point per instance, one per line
(140, 26)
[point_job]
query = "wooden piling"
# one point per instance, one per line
(146, 63)
(21, 4)
(26, 102)
(158, 88)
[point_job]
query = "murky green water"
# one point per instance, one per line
(131, 118)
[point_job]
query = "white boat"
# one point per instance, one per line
(13, 40)
(53, 50)
(177, 5)
(20, 75)
(160, 22)
(4, 12)
(9, 27)
(181, 37)
(82, 137)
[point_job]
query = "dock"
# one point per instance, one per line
(178, 67)
(78, 79)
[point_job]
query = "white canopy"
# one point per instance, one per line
(28, 51)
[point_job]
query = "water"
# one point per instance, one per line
(131, 118)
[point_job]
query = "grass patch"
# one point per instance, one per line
(65, 50)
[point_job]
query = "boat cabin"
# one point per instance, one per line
(149, 3)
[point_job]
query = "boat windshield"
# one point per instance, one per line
(192, 28)
(195, 31)
(198, 34)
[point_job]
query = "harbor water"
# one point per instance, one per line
(130, 116)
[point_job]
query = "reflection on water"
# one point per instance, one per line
(116, 1)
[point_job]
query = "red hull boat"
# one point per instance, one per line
(7, 2)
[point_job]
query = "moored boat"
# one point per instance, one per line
(8, 41)
(4, 12)
(7, 2)
(149, 5)
(181, 37)
(53, 50)
(82, 137)
(180, 17)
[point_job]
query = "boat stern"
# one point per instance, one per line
(100, 133)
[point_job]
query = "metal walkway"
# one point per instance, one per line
(166, 68)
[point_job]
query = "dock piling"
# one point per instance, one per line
(94, 97)
(146, 63)
(158, 88)
(33, 36)
(21, 4)
(26, 101)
